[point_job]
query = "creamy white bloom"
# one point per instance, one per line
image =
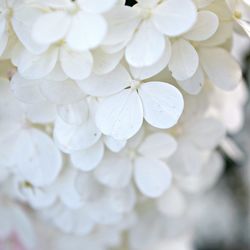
(142, 158)
(150, 24)
(31, 151)
(127, 101)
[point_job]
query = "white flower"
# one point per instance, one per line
(228, 107)
(120, 114)
(193, 60)
(20, 16)
(61, 59)
(241, 13)
(63, 189)
(150, 23)
(142, 158)
(196, 137)
(79, 23)
(88, 159)
(29, 150)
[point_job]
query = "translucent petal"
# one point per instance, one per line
(51, 27)
(158, 146)
(122, 200)
(27, 91)
(202, 130)
(75, 113)
(108, 84)
(97, 6)
(162, 104)
(76, 65)
(174, 17)
(206, 25)
(122, 21)
(61, 92)
(88, 159)
(73, 138)
(105, 62)
(146, 47)
(152, 177)
(194, 84)
(150, 71)
(36, 156)
(83, 36)
(184, 61)
(114, 145)
(120, 115)
(37, 66)
(42, 112)
(24, 17)
(220, 67)
(114, 171)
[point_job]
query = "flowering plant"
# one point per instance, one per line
(111, 116)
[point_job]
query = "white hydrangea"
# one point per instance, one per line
(111, 117)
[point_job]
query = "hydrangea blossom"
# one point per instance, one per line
(111, 116)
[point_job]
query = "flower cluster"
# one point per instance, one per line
(111, 115)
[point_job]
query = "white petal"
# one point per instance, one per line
(184, 61)
(67, 191)
(187, 160)
(76, 65)
(27, 91)
(75, 113)
(172, 203)
(42, 112)
(108, 84)
(152, 177)
(150, 71)
(206, 25)
(88, 159)
(205, 179)
(122, 200)
(114, 171)
(97, 6)
(114, 145)
(37, 155)
(102, 213)
(207, 133)
(51, 27)
(174, 17)
(88, 187)
(122, 21)
(57, 74)
(22, 21)
(105, 62)
(120, 115)
(221, 68)
(194, 84)
(158, 146)
(61, 92)
(147, 3)
(37, 66)
(146, 47)
(73, 138)
(162, 104)
(223, 33)
(86, 32)
(245, 25)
